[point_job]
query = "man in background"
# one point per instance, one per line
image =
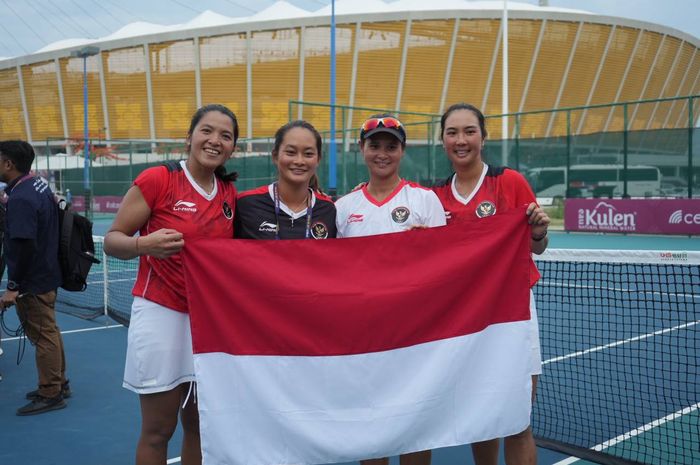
(33, 272)
(3, 199)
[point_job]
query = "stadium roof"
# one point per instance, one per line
(148, 78)
(284, 10)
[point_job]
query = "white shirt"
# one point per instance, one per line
(360, 214)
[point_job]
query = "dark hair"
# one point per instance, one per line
(300, 123)
(220, 171)
(468, 107)
(18, 152)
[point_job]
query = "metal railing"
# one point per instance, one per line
(673, 151)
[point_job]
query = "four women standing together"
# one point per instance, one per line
(171, 204)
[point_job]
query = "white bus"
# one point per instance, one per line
(595, 181)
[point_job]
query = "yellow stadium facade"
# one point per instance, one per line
(147, 87)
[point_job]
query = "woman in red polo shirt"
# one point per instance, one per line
(477, 189)
(168, 205)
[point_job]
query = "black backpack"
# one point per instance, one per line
(76, 249)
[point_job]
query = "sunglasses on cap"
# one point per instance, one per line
(387, 122)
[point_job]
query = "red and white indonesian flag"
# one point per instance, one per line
(331, 351)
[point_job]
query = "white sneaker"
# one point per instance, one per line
(1, 351)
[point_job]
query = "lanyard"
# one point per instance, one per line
(309, 209)
(24, 178)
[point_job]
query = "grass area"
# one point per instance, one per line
(557, 223)
(556, 214)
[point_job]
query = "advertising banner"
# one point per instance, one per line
(636, 216)
(100, 203)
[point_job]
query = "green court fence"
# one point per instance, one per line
(618, 161)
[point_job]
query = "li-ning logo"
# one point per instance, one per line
(606, 216)
(184, 206)
(678, 217)
(266, 226)
(355, 218)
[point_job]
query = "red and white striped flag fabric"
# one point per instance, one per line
(310, 352)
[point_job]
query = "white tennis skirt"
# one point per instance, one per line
(535, 338)
(159, 352)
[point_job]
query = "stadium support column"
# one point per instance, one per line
(85, 53)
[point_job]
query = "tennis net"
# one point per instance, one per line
(620, 334)
(108, 291)
(620, 337)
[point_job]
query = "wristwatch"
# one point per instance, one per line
(12, 286)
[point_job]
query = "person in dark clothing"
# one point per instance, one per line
(2, 255)
(292, 207)
(3, 207)
(33, 272)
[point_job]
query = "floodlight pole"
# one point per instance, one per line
(85, 53)
(332, 174)
(504, 106)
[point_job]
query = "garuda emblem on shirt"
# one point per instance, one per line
(319, 231)
(485, 208)
(400, 214)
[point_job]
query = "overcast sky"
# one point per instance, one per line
(28, 25)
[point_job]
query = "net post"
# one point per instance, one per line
(105, 282)
(691, 113)
(567, 178)
(625, 142)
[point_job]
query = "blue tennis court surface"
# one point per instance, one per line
(636, 334)
(101, 423)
